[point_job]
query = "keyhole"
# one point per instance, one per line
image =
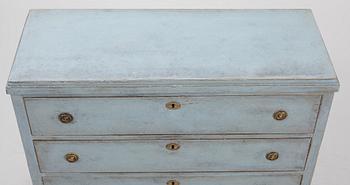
(173, 182)
(173, 105)
(172, 146)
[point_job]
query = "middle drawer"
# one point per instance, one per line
(172, 156)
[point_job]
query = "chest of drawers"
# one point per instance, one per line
(170, 97)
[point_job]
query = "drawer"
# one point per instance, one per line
(182, 179)
(172, 156)
(172, 115)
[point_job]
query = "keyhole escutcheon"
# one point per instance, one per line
(173, 105)
(173, 182)
(172, 146)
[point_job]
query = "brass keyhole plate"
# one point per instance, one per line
(172, 146)
(173, 182)
(173, 105)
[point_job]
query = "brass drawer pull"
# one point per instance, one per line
(65, 117)
(272, 156)
(280, 115)
(172, 146)
(173, 105)
(173, 182)
(71, 157)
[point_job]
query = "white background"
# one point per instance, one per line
(332, 16)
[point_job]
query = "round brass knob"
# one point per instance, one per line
(280, 115)
(172, 146)
(71, 157)
(173, 182)
(272, 156)
(65, 117)
(173, 105)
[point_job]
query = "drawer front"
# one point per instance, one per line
(172, 156)
(152, 115)
(185, 179)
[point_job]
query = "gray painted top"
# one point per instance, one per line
(106, 46)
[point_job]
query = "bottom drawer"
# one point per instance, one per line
(176, 179)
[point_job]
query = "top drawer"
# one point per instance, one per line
(172, 115)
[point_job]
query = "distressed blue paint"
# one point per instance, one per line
(114, 70)
(152, 155)
(197, 115)
(188, 179)
(125, 45)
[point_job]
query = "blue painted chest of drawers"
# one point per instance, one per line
(169, 97)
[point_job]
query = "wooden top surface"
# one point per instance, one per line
(107, 46)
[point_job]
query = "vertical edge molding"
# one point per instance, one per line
(321, 123)
(27, 141)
